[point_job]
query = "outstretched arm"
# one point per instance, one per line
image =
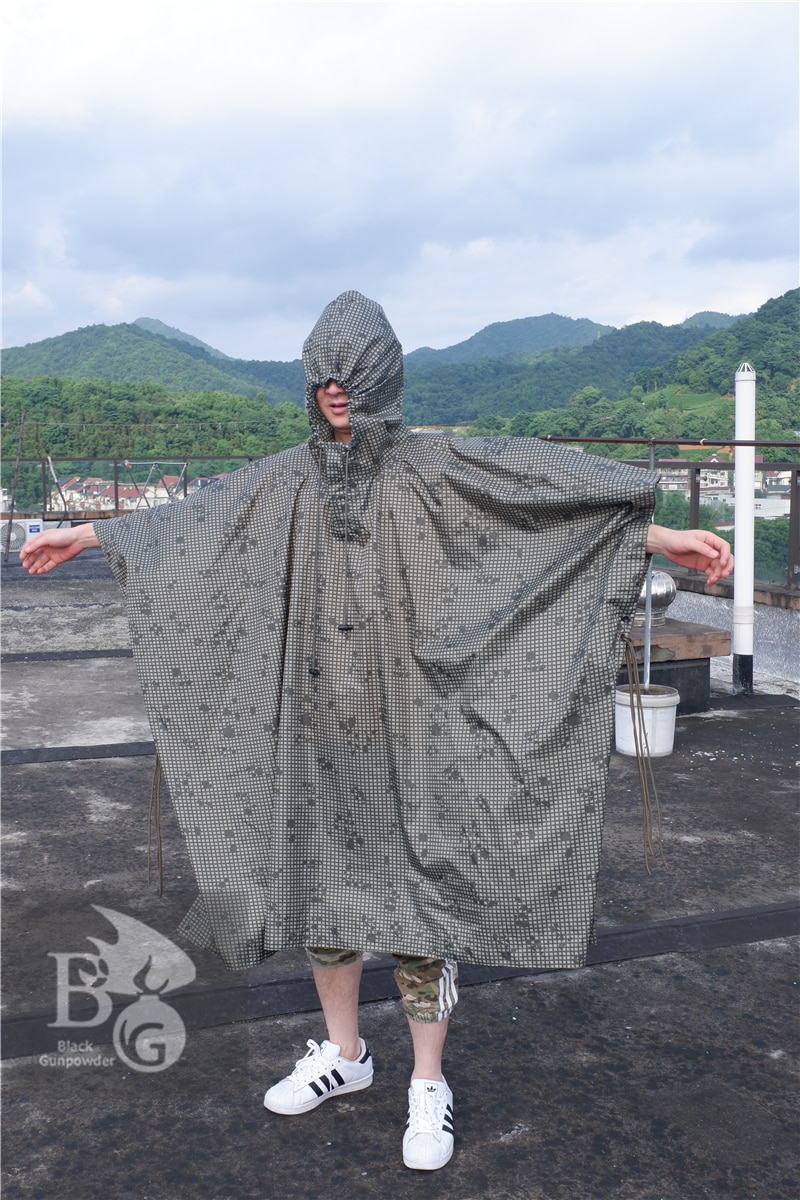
(55, 546)
(698, 549)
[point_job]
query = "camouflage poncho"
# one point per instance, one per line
(380, 677)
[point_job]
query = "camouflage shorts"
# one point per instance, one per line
(428, 986)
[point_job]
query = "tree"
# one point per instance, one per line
(772, 549)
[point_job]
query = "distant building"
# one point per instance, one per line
(674, 476)
(770, 507)
(92, 494)
(777, 483)
(716, 480)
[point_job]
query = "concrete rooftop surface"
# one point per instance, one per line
(664, 1070)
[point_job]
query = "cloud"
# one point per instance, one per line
(237, 165)
(30, 299)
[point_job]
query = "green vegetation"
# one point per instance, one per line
(449, 393)
(672, 509)
(72, 419)
(504, 339)
(691, 396)
(148, 392)
(647, 379)
(131, 354)
(767, 339)
(771, 549)
(771, 537)
(92, 417)
(672, 412)
(176, 335)
(89, 391)
(713, 320)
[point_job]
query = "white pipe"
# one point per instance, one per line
(744, 483)
(648, 600)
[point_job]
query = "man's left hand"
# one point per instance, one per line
(697, 549)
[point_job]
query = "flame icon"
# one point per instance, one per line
(140, 961)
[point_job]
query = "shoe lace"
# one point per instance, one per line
(311, 1064)
(426, 1112)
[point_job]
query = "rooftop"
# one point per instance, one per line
(664, 1069)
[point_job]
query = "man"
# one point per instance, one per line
(379, 672)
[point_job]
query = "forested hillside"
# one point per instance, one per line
(768, 339)
(132, 354)
(526, 335)
(692, 395)
(176, 335)
(448, 394)
(713, 320)
(123, 389)
(95, 418)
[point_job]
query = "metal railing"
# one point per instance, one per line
(53, 504)
(695, 470)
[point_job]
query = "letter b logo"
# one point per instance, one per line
(89, 982)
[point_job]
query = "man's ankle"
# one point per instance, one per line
(350, 1051)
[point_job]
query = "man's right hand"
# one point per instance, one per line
(54, 546)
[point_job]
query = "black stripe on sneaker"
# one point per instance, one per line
(337, 1077)
(316, 1089)
(365, 1055)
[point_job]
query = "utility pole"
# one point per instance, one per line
(744, 538)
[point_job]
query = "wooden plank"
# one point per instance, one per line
(683, 639)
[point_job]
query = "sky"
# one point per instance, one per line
(230, 167)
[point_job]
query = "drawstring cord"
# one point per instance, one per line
(313, 669)
(651, 830)
(346, 626)
(154, 810)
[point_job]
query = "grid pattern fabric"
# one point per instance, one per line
(380, 677)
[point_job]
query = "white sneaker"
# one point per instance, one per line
(320, 1074)
(428, 1140)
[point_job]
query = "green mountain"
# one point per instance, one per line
(690, 396)
(450, 393)
(493, 369)
(494, 378)
(150, 351)
(523, 336)
(713, 320)
(133, 354)
(768, 339)
(647, 355)
(176, 335)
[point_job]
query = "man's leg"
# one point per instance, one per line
(343, 1062)
(428, 1038)
(337, 988)
(429, 991)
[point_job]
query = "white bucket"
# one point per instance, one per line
(658, 715)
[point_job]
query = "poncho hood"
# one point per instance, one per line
(353, 344)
